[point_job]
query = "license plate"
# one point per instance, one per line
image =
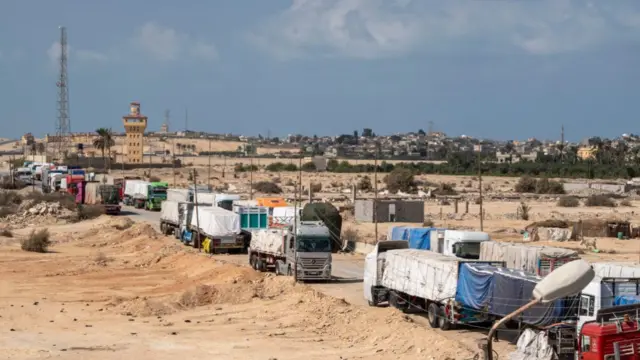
(313, 273)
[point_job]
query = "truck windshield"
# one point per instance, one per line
(467, 250)
(159, 191)
(314, 244)
(226, 204)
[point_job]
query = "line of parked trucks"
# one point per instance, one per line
(223, 223)
(463, 278)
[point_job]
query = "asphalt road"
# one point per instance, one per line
(347, 269)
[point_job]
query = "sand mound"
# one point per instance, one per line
(138, 230)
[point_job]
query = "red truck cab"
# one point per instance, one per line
(597, 340)
(73, 181)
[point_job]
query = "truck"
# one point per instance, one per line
(144, 194)
(173, 215)
(462, 244)
(302, 250)
(540, 260)
(218, 230)
(24, 175)
(95, 193)
(48, 174)
(252, 217)
(220, 200)
(69, 183)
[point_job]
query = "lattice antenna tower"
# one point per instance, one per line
(167, 118)
(63, 123)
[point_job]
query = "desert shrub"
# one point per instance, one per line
(365, 184)
(267, 187)
(568, 201)
(350, 235)
(37, 241)
(154, 179)
(478, 201)
(10, 198)
(8, 184)
(6, 211)
(276, 180)
(523, 211)
(526, 184)
(445, 189)
(316, 187)
(101, 259)
(87, 212)
(279, 166)
(309, 166)
(427, 223)
(6, 233)
(289, 182)
(546, 186)
(400, 179)
(599, 200)
(626, 202)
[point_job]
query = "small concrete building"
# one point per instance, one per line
(394, 210)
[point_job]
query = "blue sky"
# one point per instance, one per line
(506, 69)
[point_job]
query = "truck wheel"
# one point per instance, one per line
(289, 272)
(443, 320)
(432, 314)
(374, 299)
(278, 273)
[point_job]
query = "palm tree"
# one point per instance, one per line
(104, 142)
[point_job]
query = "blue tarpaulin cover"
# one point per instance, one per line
(501, 291)
(626, 300)
(398, 233)
(474, 286)
(420, 237)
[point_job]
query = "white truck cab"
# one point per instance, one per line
(459, 243)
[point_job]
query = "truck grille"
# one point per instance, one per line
(312, 264)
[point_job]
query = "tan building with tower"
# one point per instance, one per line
(134, 126)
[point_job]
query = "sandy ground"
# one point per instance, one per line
(103, 293)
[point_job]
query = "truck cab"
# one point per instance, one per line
(462, 244)
(156, 195)
(614, 334)
(308, 252)
(604, 293)
(373, 290)
(24, 174)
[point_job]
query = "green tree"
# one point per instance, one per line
(104, 142)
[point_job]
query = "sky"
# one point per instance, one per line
(501, 69)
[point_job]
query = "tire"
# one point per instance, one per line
(278, 269)
(374, 299)
(432, 315)
(443, 320)
(289, 271)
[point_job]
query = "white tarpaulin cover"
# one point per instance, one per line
(284, 215)
(170, 211)
(130, 187)
(269, 241)
(552, 234)
(520, 256)
(178, 195)
(421, 273)
(216, 222)
(141, 189)
(205, 198)
(92, 194)
(616, 270)
(533, 346)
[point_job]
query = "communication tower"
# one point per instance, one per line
(63, 123)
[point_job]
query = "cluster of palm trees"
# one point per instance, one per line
(186, 147)
(104, 142)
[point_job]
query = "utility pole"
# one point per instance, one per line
(209, 167)
(251, 178)
(224, 165)
(480, 189)
(300, 178)
(173, 159)
(197, 240)
(186, 121)
(375, 194)
(122, 156)
(150, 155)
(562, 144)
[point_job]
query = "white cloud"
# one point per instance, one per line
(53, 53)
(383, 28)
(167, 44)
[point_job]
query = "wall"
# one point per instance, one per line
(406, 210)
(613, 188)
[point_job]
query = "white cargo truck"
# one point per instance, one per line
(417, 279)
(170, 217)
(219, 229)
(303, 251)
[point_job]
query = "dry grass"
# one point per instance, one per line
(568, 201)
(38, 241)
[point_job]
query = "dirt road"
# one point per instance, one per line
(111, 290)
